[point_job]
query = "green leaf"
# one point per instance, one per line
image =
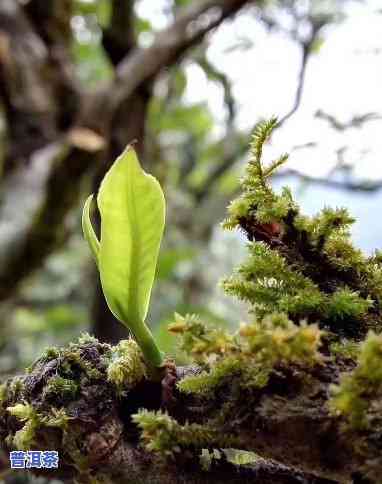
(132, 209)
(88, 230)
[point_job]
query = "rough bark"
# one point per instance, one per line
(26, 91)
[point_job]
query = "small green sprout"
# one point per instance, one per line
(132, 210)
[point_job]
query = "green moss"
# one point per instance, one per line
(15, 388)
(304, 266)
(345, 349)
(250, 355)
(241, 457)
(24, 438)
(353, 397)
(39, 401)
(3, 393)
(208, 381)
(62, 387)
(72, 360)
(162, 434)
(126, 367)
(51, 353)
(85, 339)
(345, 303)
(270, 284)
(200, 340)
(57, 418)
(273, 345)
(206, 458)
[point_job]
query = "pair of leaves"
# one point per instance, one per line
(132, 210)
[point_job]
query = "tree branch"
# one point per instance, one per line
(354, 122)
(216, 75)
(286, 419)
(235, 149)
(352, 186)
(142, 65)
(119, 38)
(300, 83)
(52, 21)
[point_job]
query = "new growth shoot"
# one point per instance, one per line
(132, 210)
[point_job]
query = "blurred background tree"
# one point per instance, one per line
(188, 80)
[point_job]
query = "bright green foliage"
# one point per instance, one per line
(21, 411)
(86, 338)
(304, 267)
(132, 210)
(304, 280)
(353, 397)
(273, 343)
(271, 284)
(127, 366)
(345, 303)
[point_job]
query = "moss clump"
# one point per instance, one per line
(66, 388)
(164, 435)
(127, 366)
(303, 266)
(207, 381)
(3, 393)
(251, 354)
(57, 418)
(347, 349)
(356, 396)
(200, 340)
(70, 399)
(24, 438)
(207, 457)
(49, 354)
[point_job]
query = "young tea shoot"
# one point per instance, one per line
(132, 211)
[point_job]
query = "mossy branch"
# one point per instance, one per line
(304, 266)
(273, 393)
